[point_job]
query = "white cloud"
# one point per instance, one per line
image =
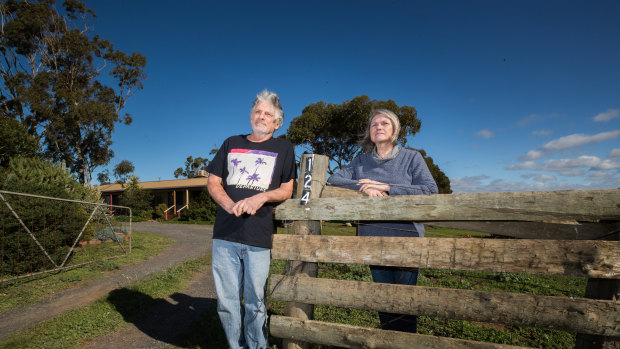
(579, 139)
(527, 165)
(562, 164)
(476, 184)
(528, 120)
(607, 115)
(473, 185)
(532, 155)
(541, 133)
(615, 153)
(570, 141)
(540, 177)
(570, 167)
(533, 118)
(486, 134)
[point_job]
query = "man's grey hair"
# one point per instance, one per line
(271, 97)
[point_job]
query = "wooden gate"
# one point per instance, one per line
(562, 232)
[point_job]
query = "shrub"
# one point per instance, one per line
(55, 224)
(203, 209)
(137, 199)
(160, 209)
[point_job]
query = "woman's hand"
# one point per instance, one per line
(373, 188)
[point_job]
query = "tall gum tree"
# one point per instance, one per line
(51, 68)
(334, 130)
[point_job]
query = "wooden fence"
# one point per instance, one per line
(561, 232)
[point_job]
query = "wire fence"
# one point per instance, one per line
(40, 234)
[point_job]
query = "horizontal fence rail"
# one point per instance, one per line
(347, 336)
(571, 233)
(601, 317)
(537, 230)
(40, 234)
(568, 207)
(600, 259)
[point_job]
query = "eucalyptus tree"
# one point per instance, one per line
(335, 129)
(64, 84)
(123, 170)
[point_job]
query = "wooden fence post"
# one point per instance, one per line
(312, 179)
(601, 289)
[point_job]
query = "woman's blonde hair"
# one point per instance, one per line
(366, 144)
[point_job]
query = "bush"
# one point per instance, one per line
(204, 209)
(160, 209)
(137, 199)
(55, 224)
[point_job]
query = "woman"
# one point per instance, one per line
(387, 169)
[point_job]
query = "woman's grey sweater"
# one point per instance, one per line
(406, 173)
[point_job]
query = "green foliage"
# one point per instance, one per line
(36, 176)
(204, 209)
(51, 81)
(15, 141)
(160, 209)
(104, 177)
(192, 165)
(56, 224)
(335, 129)
(137, 199)
(122, 170)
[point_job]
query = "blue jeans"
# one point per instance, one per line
(240, 272)
(400, 276)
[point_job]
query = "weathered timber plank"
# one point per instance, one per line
(549, 206)
(601, 289)
(599, 259)
(347, 336)
(536, 230)
(571, 314)
(313, 175)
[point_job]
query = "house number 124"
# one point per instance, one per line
(305, 194)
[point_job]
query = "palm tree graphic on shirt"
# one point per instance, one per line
(251, 169)
(255, 177)
(242, 171)
(235, 162)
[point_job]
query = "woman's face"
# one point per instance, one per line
(381, 129)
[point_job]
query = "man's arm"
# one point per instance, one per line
(217, 192)
(253, 203)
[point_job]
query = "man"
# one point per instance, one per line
(247, 176)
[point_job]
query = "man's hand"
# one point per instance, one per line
(249, 205)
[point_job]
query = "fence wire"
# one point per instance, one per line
(40, 234)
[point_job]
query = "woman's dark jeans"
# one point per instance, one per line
(400, 276)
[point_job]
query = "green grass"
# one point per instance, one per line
(23, 292)
(108, 314)
(113, 313)
(549, 285)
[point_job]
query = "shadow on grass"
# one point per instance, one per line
(180, 320)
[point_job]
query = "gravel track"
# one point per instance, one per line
(177, 312)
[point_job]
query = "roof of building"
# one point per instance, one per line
(158, 185)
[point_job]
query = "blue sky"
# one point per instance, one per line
(512, 95)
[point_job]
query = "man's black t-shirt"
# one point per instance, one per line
(248, 168)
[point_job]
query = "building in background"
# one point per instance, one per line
(177, 194)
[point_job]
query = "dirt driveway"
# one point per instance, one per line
(191, 241)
